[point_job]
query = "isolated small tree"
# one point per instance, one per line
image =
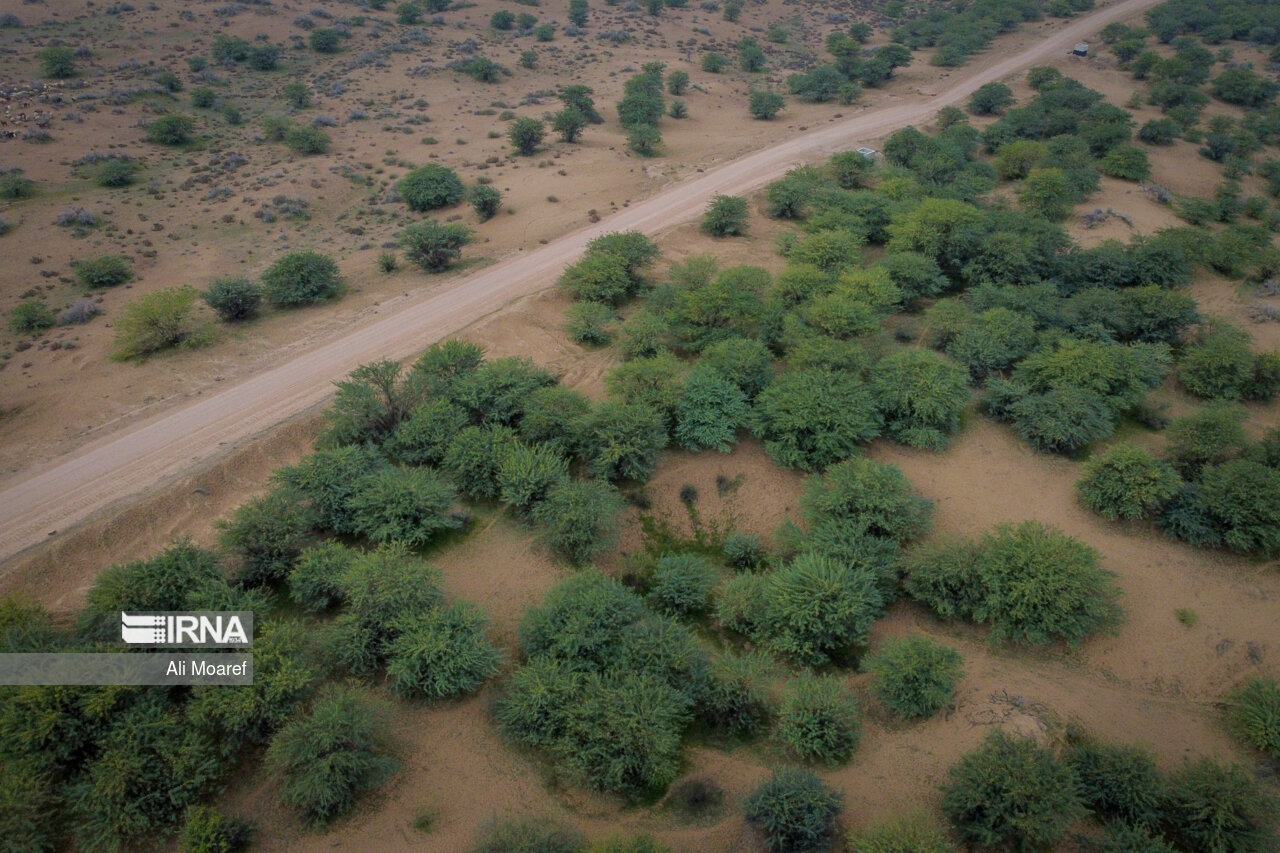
(117, 172)
(818, 720)
(915, 676)
(1127, 482)
(329, 757)
(817, 608)
(578, 97)
(578, 12)
(433, 245)
(569, 123)
(679, 109)
(1160, 131)
(156, 322)
(307, 140)
(430, 187)
(644, 139)
(526, 135)
(486, 201)
(794, 811)
(1011, 791)
(991, 99)
(58, 62)
(714, 63)
(301, 278)
(30, 316)
(591, 324)
(678, 82)
(103, 271)
(296, 94)
(325, 40)
(171, 130)
(764, 104)
(751, 56)
(264, 57)
(502, 20)
(726, 216)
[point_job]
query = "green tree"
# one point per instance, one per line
(315, 582)
(58, 62)
(296, 94)
(622, 441)
(433, 245)
(326, 480)
(502, 20)
(1240, 86)
(818, 720)
(681, 584)
(409, 505)
(991, 99)
(30, 316)
(116, 172)
(578, 97)
(1011, 791)
(430, 187)
(442, 653)
(794, 811)
(644, 139)
(234, 298)
(325, 40)
(307, 140)
(1046, 192)
(1212, 807)
(526, 134)
(598, 277)
(301, 278)
(850, 169)
(921, 396)
(569, 123)
(811, 418)
(1016, 159)
(714, 63)
(578, 12)
(751, 56)
(816, 608)
(1254, 714)
(103, 271)
(156, 322)
(329, 757)
(171, 130)
(1217, 363)
(764, 104)
(486, 201)
(1127, 162)
(915, 676)
(726, 216)
(580, 518)
(678, 82)
(1127, 482)
(527, 474)
(709, 412)
(268, 534)
(1031, 582)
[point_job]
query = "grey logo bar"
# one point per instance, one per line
(126, 668)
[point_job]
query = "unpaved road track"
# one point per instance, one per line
(121, 465)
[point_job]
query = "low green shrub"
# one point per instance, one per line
(1127, 482)
(1255, 714)
(915, 676)
(794, 811)
(1120, 783)
(818, 720)
(1212, 807)
(681, 584)
(442, 653)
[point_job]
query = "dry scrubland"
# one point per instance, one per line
(1197, 621)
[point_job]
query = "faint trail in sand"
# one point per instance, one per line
(93, 477)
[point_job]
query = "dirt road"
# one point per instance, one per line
(119, 466)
